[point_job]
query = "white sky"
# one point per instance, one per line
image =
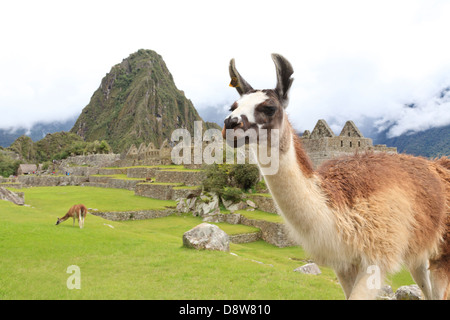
(352, 59)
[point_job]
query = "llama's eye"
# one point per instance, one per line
(269, 111)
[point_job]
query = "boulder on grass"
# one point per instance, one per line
(309, 268)
(411, 292)
(207, 236)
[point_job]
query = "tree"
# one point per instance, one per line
(8, 166)
(230, 181)
(245, 176)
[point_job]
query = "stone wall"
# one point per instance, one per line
(245, 237)
(111, 171)
(130, 162)
(165, 191)
(50, 181)
(108, 182)
(10, 183)
(180, 192)
(155, 190)
(264, 203)
(79, 171)
(141, 172)
(133, 215)
(188, 178)
(93, 160)
(271, 232)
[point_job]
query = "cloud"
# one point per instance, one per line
(420, 115)
(352, 59)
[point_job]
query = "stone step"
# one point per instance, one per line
(245, 237)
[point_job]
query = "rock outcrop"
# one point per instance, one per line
(207, 236)
(309, 268)
(14, 197)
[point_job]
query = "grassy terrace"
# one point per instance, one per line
(141, 259)
(174, 167)
(182, 170)
(187, 187)
(261, 215)
(178, 184)
(116, 176)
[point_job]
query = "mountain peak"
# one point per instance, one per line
(137, 101)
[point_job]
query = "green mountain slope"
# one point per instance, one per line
(44, 149)
(136, 102)
(431, 143)
(38, 131)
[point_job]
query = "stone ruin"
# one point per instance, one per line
(322, 144)
(147, 155)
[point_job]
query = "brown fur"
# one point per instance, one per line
(303, 160)
(75, 212)
(347, 181)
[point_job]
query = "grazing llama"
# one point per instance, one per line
(78, 211)
(357, 214)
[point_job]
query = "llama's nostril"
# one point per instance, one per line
(231, 123)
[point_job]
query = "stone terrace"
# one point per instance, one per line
(166, 182)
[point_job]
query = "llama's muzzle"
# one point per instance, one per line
(231, 123)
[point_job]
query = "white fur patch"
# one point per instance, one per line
(246, 105)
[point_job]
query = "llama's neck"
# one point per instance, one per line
(296, 190)
(67, 216)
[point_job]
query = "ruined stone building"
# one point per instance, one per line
(322, 144)
(147, 155)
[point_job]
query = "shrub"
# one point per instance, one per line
(231, 193)
(8, 166)
(216, 179)
(245, 176)
(230, 181)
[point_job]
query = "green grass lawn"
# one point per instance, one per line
(261, 215)
(141, 259)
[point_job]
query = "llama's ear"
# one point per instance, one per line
(284, 80)
(237, 81)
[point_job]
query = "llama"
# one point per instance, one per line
(356, 214)
(77, 211)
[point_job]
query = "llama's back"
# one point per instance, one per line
(395, 203)
(443, 162)
(349, 178)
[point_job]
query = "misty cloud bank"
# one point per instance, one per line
(374, 107)
(368, 61)
(419, 116)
